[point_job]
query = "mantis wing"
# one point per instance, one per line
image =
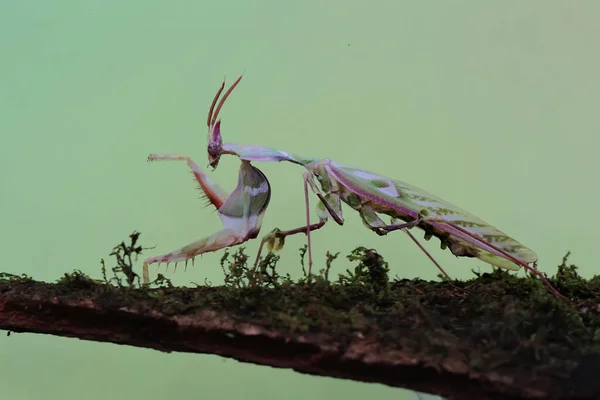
(401, 200)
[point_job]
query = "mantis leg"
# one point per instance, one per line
(329, 205)
(213, 192)
(275, 239)
(241, 213)
(373, 222)
(414, 239)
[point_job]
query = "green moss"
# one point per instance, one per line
(497, 319)
(77, 280)
(5, 277)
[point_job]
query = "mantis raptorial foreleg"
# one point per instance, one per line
(214, 193)
(241, 212)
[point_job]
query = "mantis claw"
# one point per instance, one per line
(274, 240)
(241, 212)
(380, 231)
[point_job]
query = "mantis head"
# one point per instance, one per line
(215, 141)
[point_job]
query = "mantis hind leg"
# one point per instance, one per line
(414, 239)
(376, 224)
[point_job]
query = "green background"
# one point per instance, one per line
(490, 105)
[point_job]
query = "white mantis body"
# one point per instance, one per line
(370, 194)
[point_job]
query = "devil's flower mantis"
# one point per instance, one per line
(371, 195)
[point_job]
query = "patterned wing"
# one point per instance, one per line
(404, 199)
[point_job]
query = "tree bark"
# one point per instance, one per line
(211, 320)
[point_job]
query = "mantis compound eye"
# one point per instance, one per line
(214, 154)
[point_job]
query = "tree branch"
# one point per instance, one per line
(437, 339)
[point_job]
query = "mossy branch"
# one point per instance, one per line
(495, 336)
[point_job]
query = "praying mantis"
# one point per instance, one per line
(370, 194)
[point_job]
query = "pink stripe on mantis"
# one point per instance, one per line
(445, 226)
